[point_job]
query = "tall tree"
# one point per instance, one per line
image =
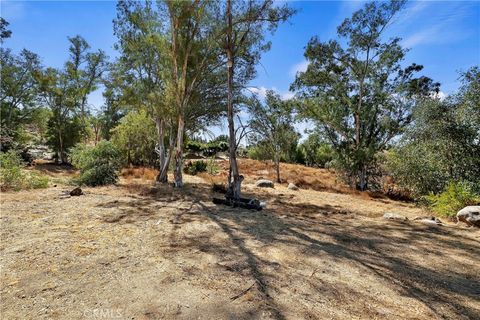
(246, 23)
(271, 124)
(360, 96)
(171, 65)
(66, 92)
(18, 90)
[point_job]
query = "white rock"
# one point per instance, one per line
(394, 216)
(470, 215)
(292, 186)
(264, 183)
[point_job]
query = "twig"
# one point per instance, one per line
(242, 293)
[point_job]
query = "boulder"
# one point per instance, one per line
(470, 215)
(428, 220)
(292, 186)
(264, 183)
(76, 192)
(394, 216)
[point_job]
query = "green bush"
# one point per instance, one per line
(135, 137)
(13, 177)
(37, 181)
(98, 165)
(212, 166)
(194, 167)
(455, 197)
(11, 174)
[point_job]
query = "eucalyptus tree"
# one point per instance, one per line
(171, 66)
(142, 70)
(359, 95)
(271, 125)
(243, 41)
(65, 91)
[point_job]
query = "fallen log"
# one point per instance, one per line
(245, 203)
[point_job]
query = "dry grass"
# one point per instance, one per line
(144, 251)
(142, 173)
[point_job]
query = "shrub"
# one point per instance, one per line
(194, 167)
(212, 166)
(10, 170)
(12, 175)
(98, 165)
(135, 138)
(455, 197)
(37, 181)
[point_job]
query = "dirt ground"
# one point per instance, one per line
(138, 251)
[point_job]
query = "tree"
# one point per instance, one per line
(359, 96)
(66, 91)
(245, 26)
(271, 124)
(4, 32)
(442, 143)
(135, 138)
(18, 91)
(171, 68)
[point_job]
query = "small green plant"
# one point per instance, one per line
(98, 165)
(13, 177)
(455, 197)
(194, 167)
(212, 166)
(37, 181)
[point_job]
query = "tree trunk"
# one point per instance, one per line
(61, 148)
(362, 179)
(277, 167)
(234, 179)
(163, 175)
(160, 149)
(179, 153)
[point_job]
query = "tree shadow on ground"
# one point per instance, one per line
(377, 249)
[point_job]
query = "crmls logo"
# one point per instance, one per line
(102, 313)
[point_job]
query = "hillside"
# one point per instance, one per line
(141, 251)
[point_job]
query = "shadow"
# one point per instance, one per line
(394, 254)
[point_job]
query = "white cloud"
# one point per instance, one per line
(440, 95)
(261, 92)
(298, 67)
(442, 23)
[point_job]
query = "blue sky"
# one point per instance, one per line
(444, 36)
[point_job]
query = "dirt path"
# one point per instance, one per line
(133, 252)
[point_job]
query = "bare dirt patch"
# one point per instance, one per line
(138, 251)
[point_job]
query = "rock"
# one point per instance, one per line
(264, 183)
(292, 186)
(76, 192)
(470, 215)
(428, 220)
(394, 216)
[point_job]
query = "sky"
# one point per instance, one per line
(443, 36)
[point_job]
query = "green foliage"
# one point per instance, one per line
(212, 166)
(13, 177)
(10, 170)
(135, 138)
(208, 149)
(359, 96)
(194, 167)
(315, 151)
(98, 165)
(441, 145)
(37, 181)
(455, 197)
